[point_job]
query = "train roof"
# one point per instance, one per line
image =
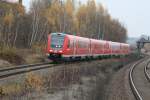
(58, 34)
(71, 36)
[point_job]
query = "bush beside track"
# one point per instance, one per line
(20, 56)
(10, 55)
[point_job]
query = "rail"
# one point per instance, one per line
(132, 85)
(11, 71)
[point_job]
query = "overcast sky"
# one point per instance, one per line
(134, 14)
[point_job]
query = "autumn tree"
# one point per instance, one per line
(69, 17)
(39, 23)
(81, 19)
(89, 20)
(21, 29)
(95, 22)
(9, 17)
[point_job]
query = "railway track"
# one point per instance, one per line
(11, 71)
(140, 80)
(146, 73)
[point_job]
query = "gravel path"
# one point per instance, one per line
(141, 83)
(119, 88)
(148, 69)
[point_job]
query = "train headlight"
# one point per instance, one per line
(60, 51)
(50, 50)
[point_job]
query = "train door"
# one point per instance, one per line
(74, 46)
(90, 48)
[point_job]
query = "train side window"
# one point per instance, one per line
(68, 46)
(100, 46)
(79, 44)
(106, 46)
(71, 44)
(82, 44)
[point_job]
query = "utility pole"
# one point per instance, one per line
(139, 46)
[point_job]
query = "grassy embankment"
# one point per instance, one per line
(67, 75)
(17, 56)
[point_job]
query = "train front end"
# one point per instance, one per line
(55, 46)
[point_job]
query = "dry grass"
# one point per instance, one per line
(10, 55)
(34, 58)
(22, 56)
(62, 77)
(33, 82)
(10, 89)
(39, 48)
(72, 73)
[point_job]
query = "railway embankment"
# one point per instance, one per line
(119, 88)
(13, 57)
(130, 83)
(4, 63)
(77, 81)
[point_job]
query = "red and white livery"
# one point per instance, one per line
(64, 46)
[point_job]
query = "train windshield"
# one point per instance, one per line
(57, 41)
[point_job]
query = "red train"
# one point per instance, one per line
(67, 47)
